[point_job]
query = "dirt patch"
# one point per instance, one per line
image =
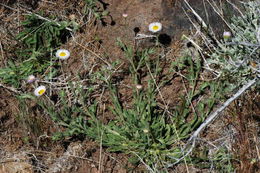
(8, 109)
(14, 167)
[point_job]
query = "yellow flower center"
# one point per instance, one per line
(62, 54)
(41, 91)
(155, 27)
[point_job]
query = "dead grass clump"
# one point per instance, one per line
(244, 116)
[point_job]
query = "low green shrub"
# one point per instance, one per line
(237, 58)
(37, 41)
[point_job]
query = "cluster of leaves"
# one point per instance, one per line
(211, 90)
(77, 119)
(145, 129)
(15, 72)
(142, 129)
(37, 40)
(219, 160)
(72, 118)
(98, 10)
(39, 36)
(237, 58)
(187, 119)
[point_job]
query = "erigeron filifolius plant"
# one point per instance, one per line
(237, 58)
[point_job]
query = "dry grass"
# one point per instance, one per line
(244, 117)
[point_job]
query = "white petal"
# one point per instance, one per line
(40, 90)
(66, 52)
(152, 25)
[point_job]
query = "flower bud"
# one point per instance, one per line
(124, 15)
(139, 87)
(226, 35)
(31, 79)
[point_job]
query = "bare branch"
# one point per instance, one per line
(216, 114)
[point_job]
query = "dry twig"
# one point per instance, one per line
(216, 114)
(192, 140)
(10, 88)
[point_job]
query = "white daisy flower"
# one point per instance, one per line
(62, 54)
(155, 27)
(31, 79)
(39, 90)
